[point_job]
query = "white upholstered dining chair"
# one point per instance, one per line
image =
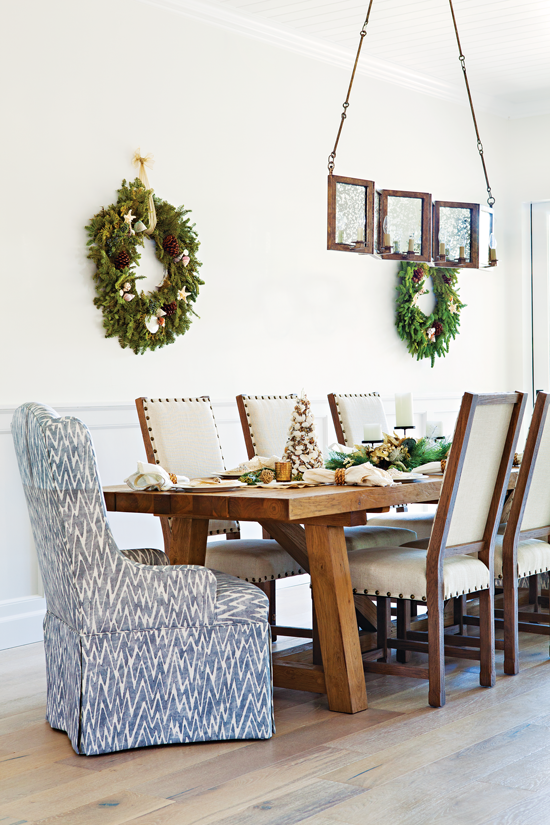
(181, 435)
(459, 559)
(522, 554)
(349, 413)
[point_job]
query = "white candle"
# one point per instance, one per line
(461, 252)
(492, 254)
(442, 250)
(360, 233)
(387, 239)
(340, 236)
(372, 432)
(404, 414)
(434, 429)
(411, 244)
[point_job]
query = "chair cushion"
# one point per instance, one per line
(238, 601)
(401, 573)
(420, 523)
(252, 560)
(358, 538)
(533, 557)
(218, 528)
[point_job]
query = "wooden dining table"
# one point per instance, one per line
(309, 523)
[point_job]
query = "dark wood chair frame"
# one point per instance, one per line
(510, 617)
(436, 643)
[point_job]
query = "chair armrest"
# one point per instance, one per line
(146, 555)
(137, 596)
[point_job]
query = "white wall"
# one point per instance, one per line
(240, 131)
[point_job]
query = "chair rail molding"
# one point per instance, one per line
(118, 444)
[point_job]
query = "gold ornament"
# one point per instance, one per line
(267, 476)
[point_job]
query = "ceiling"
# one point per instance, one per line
(411, 42)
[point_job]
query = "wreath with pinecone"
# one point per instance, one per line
(427, 336)
(143, 321)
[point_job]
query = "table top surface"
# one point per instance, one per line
(254, 503)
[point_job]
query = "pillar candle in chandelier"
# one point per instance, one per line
(404, 413)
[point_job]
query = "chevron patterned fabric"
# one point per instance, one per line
(138, 652)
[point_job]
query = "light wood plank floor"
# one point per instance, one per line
(483, 759)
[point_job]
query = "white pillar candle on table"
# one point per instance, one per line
(434, 429)
(404, 414)
(372, 432)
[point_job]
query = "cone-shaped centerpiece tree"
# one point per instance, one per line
(301, 448)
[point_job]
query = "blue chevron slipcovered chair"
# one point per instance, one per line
(136, 654)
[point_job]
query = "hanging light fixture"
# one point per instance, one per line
(398, 225)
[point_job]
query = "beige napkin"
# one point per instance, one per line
(341, 448)
(152, 477)
(398, 475)
(364, 475)
(255, 463)
(429, 468)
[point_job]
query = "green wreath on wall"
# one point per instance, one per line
(427, 336)
(143, 321)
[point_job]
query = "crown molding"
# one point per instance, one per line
(283, 37)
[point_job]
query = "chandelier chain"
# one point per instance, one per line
(462, 59)
(343, 116)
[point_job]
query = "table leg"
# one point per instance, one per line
(188, 541)
(339, 639)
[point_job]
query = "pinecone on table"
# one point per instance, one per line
(438, 327)
(267, 476)
(171, 246)
(170, 308)
(418, 275)
(122, 260)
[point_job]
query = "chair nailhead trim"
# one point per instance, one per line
(412, 597)
(377, 592)
(401, 596)
(388, 594)
(424, 599)
(355, 590)
(365, 591)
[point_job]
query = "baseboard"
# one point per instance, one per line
(21, 621)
